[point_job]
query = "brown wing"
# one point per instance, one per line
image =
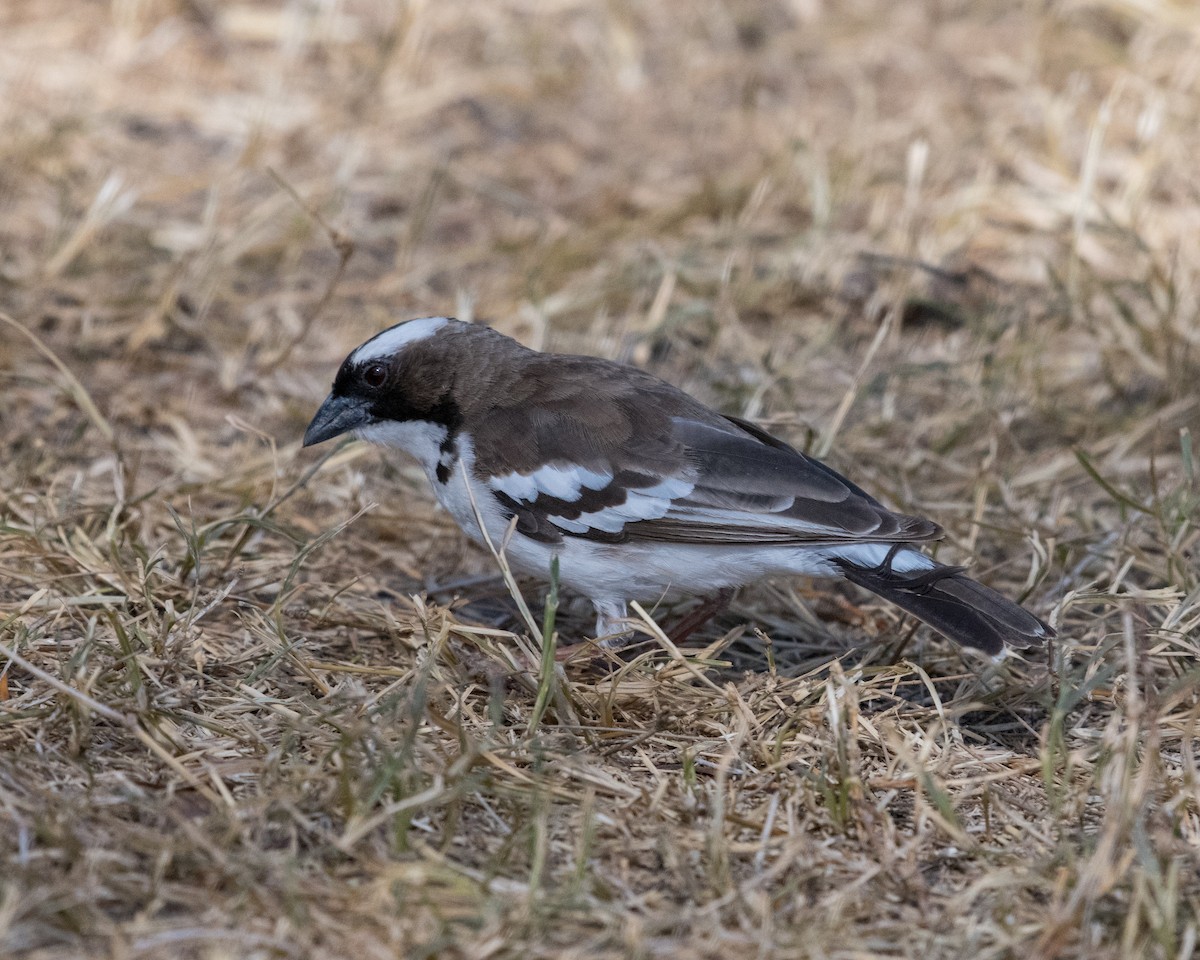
(751, 488)
(614, 454)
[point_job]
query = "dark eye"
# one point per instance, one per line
(375, 375)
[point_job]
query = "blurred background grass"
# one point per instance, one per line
(951, 244)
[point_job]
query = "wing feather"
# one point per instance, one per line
(617, 455)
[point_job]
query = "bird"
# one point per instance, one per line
(638, 489)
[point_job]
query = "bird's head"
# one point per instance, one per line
(400, 379)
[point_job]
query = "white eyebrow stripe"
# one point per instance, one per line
(393, 339)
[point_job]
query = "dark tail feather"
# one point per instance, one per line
(954, 605)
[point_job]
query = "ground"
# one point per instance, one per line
(259, 701)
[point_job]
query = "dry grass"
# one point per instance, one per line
(261, 705)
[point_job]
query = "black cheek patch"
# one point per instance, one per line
(395, 405)
(343, 383)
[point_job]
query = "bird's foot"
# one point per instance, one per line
(589, 649)
(612, 638)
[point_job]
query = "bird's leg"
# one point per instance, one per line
(709, 607)
(611, 632)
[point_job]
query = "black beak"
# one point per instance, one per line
(337, 415)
